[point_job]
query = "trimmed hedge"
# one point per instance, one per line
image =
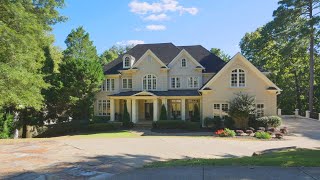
(269, 121)
(213, 123)
(100, 119)
(105, 126)
(176, 124)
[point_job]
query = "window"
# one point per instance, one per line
(175, 82)
(238, 78)
(260, 110)
(104, 107)
(183, 63)
(149, 82)
(193, 82)
(126, 62)
(175, 109)
(126, 83)
(103, 86)
(225, 108)
(110, 84)
(220, 110)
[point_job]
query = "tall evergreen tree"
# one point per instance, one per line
(80, 75)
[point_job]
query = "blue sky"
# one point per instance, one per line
(211, 23)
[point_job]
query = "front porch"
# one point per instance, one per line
(145, 107)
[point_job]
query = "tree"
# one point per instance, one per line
(196, 114)
(305, 17)
(218, 52)
(80, 76)
(240, 109)
(126, 117)
(113, 53)
(163, 113)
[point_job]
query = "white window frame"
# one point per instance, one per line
(126, 84)
(237, 72)
(218, 109)
(152, 82)
(193, 84)
(177, 82)
(103, 107)
(126, 60)
(260, 111)
(110, 86)
(183, 63)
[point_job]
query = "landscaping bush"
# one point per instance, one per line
(100, 119)
(192, 126)
(269, 121)
(262, 135)
(163, 113)
(225, 133)
(63, 128)
(196, 114)
(213, 123)
(6, 125)
(176, 124)
(126, 122)
(105, 126)
(229, 122)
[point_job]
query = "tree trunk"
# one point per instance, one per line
(298, 91)
(311, 71)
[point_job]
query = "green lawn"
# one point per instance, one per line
(299, 157)
(115, 134)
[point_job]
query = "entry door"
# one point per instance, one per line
(148, 113)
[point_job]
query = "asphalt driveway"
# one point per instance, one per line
(76, 158)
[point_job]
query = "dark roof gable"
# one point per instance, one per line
(166, 52)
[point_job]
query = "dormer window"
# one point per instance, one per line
(128, 61)
(238, 78)
(183, 63)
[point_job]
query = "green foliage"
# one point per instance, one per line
(262, 135)
(126, 117)
(268, 121)
(177, 124)
(196, 114)
(213, 123)
(6, 125)
(113, 53)
(80, 76)
(226, 133)
(240, 109)
(163, 113)
(100, 119)
(229, 122)
(218, 52)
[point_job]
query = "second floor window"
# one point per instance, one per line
(126, 62)
(110, 84)
(175, 82)
(238, 78)
(183, 63)
(149, 82)
(193, 82)
(126, 83)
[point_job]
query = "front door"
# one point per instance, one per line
(148, 113)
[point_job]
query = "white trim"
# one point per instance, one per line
(175, 77)
(238, 78)
(236, 57)
(193, 77)
(151, 83)
(148, 52)
(144, 93)
(127, 83)
(184, 52)
(186, 64)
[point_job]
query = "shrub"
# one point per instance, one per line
(269, 121)
(229, 122)
(163, 113)
(100, 119)
(105, 126)
(6, 125)
(176, 124)
(263, 135)
(196, 114)
(63, 128)
(225, 133)
(126, 118)
(192, 126)
(213, 123)
(240, 109)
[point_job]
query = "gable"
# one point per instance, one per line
(184, 55)
(252, 73)
(148, 56)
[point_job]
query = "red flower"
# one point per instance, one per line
(220, 131)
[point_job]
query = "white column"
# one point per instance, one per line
(155, 110)
(134, 111)
(129, 107)
(112, 110)
(279, 112)
(183, 109)
(319, 116)
(307, 114)
(296, 112)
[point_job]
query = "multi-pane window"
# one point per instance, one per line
(126, 62)
(193, 82)
(149, 82)
(103, 86)
(220, 110)
(110, 84)
(225, 107)
(175, 82)
(126, 83)
(260, 110)
(175, 109)
(104, 107)
(183, 63)
(238, 78)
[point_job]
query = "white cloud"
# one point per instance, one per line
(154, 27)
(138, 7)
(157, 17)
(130, 42)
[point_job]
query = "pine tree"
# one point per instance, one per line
(163, 113)
(196, 114)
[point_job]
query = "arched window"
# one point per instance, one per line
(183, 63)
(238, 78)
(126, 62)
(149, 82)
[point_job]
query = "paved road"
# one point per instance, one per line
(76, 158)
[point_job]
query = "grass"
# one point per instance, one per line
(293, 158)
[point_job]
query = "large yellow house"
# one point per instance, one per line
(178, 77)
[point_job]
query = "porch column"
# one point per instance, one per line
(134, 111)
(183, 109)
(155, 110)
(129, 108)
(112, 109)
